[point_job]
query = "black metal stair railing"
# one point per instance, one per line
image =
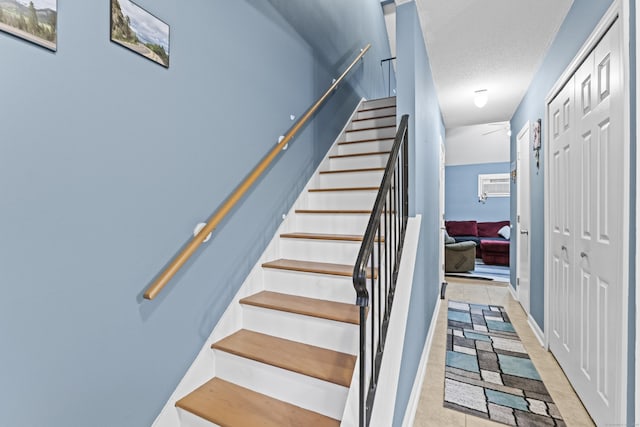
(376, 269)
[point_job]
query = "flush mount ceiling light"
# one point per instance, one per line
(480, 98)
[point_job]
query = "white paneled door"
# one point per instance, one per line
(586, 213)
(524, 217)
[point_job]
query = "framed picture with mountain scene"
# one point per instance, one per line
(32, 20)
(138, 30)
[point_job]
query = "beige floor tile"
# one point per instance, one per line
(439, 417)
(430, 410)
(481, 422)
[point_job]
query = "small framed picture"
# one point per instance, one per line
(34, 20)
(139, 31)
(537, 143)
(537, 140)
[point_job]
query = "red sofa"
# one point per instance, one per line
(491, 247)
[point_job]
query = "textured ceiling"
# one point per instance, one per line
(496, 45)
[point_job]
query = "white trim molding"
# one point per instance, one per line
(414, 398)
(514, 290)
(537, 331)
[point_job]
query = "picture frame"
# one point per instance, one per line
(135, 29)
(35, 21)
(537, 140)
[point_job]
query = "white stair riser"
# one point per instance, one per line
(338, 252)
(330, 334)
(387, 132)
(359, 162)
(366, 147)
(350, 179)
(373, 122)
(376, 103)
(311, 285)
(342, 199)
(300, 390)
(376, 113)
(332, 223)
(187, 419)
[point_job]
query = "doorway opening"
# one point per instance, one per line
(478, 202)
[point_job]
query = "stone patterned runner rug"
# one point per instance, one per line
(488, 372)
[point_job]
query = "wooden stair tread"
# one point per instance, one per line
(333, 211)
(227, 404)
(322, 309)
(321, 236)
(374, 118)
(319, 190)
(316, 267)
(372, 153)
(371, 128)
(365, 140)
(354, 170)
(305, 359)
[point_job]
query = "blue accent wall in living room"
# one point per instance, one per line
(108, 161)
(461, 189)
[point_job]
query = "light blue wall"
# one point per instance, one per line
(417, 97)
(107, 162)
(461, 188)
(578, 25)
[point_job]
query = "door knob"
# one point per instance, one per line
(524, 232)
(583, 255)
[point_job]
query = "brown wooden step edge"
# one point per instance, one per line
(353, 170)
(227, 404)
(305, 359)
(320, 190)
(344, 270)
(321, 309)
(371, 128)
(359, 141)
(320, 236)
(374, 118)
(373, 153)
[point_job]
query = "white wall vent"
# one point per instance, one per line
(493, 185)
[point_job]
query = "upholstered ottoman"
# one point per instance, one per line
(459, 257)
(495, 252)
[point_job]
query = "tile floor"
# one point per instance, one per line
(430, 410)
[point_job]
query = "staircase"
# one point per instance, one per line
(292, 361)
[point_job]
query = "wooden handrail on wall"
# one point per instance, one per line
(179, 260)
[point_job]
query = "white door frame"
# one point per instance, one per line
(619, 9)
(441, 204)
(526, 128)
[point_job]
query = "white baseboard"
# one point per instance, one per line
(536, 330)
(414, 398)
(513, 291)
